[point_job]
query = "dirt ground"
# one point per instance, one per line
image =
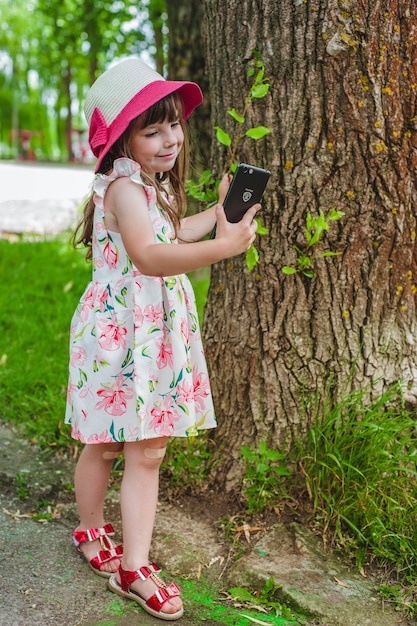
(45, 582)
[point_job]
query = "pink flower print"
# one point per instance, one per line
(164, 357)
(138, 315)
(78, 356)
(111, 254)
(155, 315)
(103, 437)
(75, 432)
(99, 262)
(185, 331)
(98, 225)
(189, 305)
(88, 304)
(114, 400)
(150, 194)
(157, 223)
(201, 387)
(102, 296)
(185, 393)
(71, 389)
(164, 418)
(112, 335)
(86, 392)
(98, 201)
(133, 433)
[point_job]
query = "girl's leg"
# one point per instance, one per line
(91, 480)
(139, 497)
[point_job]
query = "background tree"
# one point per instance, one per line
(52, 51)
(18, 109)
(342, 110)
(186, 61)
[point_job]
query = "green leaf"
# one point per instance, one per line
(252, 258)
(304, 262)
(308, 273)
(260, 75)
(241, 594)
(261, 230)
(316, 236)
(222, 137)
(206, 177)
(262, 468)
(334, 215)
(236, 116)
(260, 91)
(330, 253)
(258, 132)
(289, 270)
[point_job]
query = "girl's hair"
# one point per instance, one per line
(172, 183)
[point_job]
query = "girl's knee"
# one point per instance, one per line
(112, 451)
(149, 452)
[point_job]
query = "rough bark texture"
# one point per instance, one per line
(343, 113)
(186, 61)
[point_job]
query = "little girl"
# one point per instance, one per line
(137, 370)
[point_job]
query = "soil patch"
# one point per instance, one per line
(46, 582)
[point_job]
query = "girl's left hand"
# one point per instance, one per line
(224, 186)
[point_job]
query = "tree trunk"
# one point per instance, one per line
(343, 116)
(68, 118)
(186, 61)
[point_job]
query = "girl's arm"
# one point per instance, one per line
(126, 210)
(195, 227)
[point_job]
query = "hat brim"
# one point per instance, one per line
(190, 94)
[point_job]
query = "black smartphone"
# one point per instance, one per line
(246, 189)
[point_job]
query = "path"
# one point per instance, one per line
(41, 199)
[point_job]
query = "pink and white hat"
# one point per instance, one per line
(122, 93)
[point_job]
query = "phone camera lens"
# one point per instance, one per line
(245, 171)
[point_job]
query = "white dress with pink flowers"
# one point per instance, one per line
(137, 366)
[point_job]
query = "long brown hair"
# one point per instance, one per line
(172, 183)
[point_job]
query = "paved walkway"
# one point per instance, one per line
(40, 198)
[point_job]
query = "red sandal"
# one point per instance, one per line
(108, 551)
(154, 604)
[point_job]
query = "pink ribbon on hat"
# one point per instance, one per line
(98, 134)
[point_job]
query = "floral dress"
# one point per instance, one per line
(137, 366)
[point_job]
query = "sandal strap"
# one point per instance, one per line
(127, 577)
(91, 534)
(161, 595)
(103, 556)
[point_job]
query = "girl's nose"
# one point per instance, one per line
(170, 138)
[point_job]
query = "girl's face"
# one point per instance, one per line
(157, 146)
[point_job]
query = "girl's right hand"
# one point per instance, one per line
(240, 235)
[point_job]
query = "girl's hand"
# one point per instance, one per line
(240, 235)
(224, 186)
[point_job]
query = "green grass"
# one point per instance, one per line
(359, 468)
(42, 282)
(354, 477)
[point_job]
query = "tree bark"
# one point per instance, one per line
(343, 114)
(186, 61)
